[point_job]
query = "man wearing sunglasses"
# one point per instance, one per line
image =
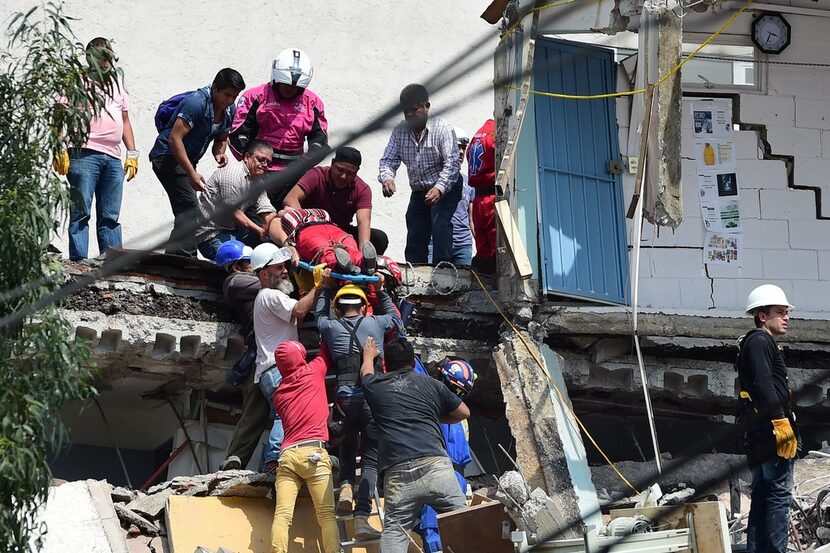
(228, 186)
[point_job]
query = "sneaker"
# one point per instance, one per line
(370, 258)
(344, 263)
(231, 463)
(363, 531)
(344, 500)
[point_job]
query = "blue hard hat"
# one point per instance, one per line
(232, 251)
(458, 375)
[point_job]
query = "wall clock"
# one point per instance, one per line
(771, 33)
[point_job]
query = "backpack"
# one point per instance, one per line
(168, 108)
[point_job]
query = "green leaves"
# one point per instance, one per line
(50, 95)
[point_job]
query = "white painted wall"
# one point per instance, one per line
(363, 54)
(784, 242)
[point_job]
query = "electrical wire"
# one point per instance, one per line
(662, 80)
(553, 385)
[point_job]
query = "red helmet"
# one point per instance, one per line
(390, 269)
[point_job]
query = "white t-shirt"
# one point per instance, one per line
(273, 324)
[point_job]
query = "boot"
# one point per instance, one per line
(344, 263)
(363, 531)
(370, 258)
(344, 500)
(231, 463)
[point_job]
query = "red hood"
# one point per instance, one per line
(290, 356)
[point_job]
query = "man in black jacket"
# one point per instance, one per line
(240, 289)
(771, 440)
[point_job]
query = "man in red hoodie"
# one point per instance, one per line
(301, 402)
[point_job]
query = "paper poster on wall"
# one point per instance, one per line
(719, 203)
(723, 249)
(711, 119)
(715, 155)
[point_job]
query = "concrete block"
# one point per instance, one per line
(788, 204)
(690, 233)
(801, 143)
(750, 203)
(811, 113)
(825, 144)
(751, 267)
(765, 233)
(811, 172)
(810, 296)
(696, 293)
(663, 263)
(809, 235)
(824, 265)
(726, 293)
(768, 110)
(762, 173)
(746, 145)
(790, 264)
(660, 292)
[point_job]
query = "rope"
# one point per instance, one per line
(668, 75)
(553, 385)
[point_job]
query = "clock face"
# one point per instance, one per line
(771, 33)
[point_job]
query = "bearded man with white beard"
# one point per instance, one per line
(275, 321)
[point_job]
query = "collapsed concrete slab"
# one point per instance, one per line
(80, 516)
(549, 449)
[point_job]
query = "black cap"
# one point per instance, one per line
(347, 154)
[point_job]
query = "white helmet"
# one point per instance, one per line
(764, 295)
(461, 136)
(292, 67)
(268, 254)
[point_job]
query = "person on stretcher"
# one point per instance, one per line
(315, 239)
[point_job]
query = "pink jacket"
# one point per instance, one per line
(284, 124)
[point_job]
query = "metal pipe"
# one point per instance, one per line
(164, 465)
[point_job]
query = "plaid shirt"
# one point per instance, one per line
(226, 186)
(432, 161)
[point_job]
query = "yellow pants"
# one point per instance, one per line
(295, 469)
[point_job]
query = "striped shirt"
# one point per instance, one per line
(226, 186)
(430, 161)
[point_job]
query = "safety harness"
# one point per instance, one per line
(347, 367)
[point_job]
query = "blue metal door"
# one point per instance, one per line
(584, 248)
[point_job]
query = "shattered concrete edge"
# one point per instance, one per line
(532, 420)
(111, 524)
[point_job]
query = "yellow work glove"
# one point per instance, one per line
(60, 162)
(785, 443)
(318, 275)
(131, 164)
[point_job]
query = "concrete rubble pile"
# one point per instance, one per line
(140, 514)
(810, 513)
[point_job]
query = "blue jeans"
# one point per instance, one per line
(268, 382)
(768, 526)
(93, 173)
(424, 221)
(209, 247)
(410, 485)
(360, 429)
(462, 255)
